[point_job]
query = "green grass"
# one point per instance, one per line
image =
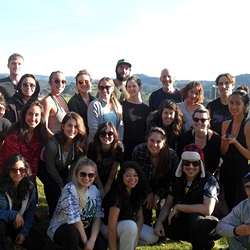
(43, 208)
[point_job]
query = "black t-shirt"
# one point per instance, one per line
(219, 113)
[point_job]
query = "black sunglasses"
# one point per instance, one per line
(104, 133)
(203, 120)
(194, 163)
(104, 87)
(57, 81)
(21, 170)
(90, 175)
(26, 85)
(86, 82)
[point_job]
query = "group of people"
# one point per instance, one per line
(107, 161)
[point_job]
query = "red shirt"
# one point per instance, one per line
(29, 150)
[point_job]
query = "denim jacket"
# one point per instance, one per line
(27, 211)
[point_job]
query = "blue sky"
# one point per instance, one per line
(199, 39)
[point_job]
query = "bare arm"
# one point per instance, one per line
(112, 224)
(48, 111)
(159, 230)
(224, 142)
(94, 233)
(81, 230)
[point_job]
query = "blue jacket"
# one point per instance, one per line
(27, 211)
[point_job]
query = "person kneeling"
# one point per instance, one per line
(187, 213)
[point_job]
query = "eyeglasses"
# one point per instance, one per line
(85, 82)
(104, 133)
(90, 175)
(203, 120)
(21, 170)
(26, 85)
(57, 81)
(247, 187)
(104, 87)
(194, 163)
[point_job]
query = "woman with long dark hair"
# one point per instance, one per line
(27, 87)
(123, 220)
(17, 205)
(107, 152)
(61, 153)
(158, 162)
(235, 148)
(169, 118)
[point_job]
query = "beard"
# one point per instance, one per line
(120, 77)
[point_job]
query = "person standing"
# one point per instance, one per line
(8, 84)
(135, 114)
(218, 108)
(235, 148)
(168, 91)
(80, 101)
(55, 106)
(27, 87)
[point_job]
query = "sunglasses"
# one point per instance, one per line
(104, 133)
(57, 81)
(26, 85)
(21, 170)
(203, 120)
(247, 187)
(90, 175)
(104, 87)
(85, 82)
(194, 163)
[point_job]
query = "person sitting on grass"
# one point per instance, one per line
(77, 218)
(187, 212)
(236, 225)
(123, 220)
(17, 205)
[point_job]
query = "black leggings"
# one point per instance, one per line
(33, 241)
(69, 238)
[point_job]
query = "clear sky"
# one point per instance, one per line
(199, 39)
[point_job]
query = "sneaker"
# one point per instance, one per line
(37, 218)
(162, 240)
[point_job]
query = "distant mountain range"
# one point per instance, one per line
(149, 84)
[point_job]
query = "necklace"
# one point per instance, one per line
(235, 130)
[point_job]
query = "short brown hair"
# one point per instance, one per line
(15, 56)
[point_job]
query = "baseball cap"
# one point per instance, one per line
(126, 61)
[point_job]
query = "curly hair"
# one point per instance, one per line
(138, 193)
(22, 127)
(189, 86)
(98, 144)
(17, 194)
(165, 163)
(80, 140)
